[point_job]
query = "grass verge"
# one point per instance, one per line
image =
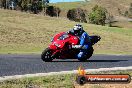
(53, 81)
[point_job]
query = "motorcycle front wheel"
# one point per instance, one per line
(47, 55)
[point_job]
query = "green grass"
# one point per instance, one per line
(124, 24)
(53, 81)
(68, 5)
(123, 5)
(30, 33)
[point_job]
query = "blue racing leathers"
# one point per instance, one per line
(85, 44)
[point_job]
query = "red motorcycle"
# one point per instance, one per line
(60, 48)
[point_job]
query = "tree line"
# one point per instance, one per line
(98, 14)
(24, 5)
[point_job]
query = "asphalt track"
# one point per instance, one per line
(29, 64)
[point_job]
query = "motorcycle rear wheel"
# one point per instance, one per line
(47, 55)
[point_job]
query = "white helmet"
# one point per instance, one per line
(78, 29)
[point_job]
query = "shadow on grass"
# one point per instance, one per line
(116, 26)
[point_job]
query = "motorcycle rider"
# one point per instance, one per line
(84, 39)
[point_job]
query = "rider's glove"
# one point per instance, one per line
(85, 47)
